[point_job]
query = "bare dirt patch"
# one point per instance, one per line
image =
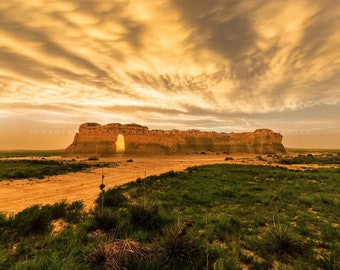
(16, 195)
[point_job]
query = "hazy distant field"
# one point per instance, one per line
(30, 153)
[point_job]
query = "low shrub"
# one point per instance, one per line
(32, 220)
(3, 224)
(74, 211)
(57, 209)
(280, 241)
(145, 215)
(180, 249)
(3, 220)
(70, 212)
(113, 197)
(105, 219)
(120, 254)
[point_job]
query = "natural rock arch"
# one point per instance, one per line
(95, 139)
(120, 144)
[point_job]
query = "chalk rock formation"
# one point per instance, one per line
(96, 140)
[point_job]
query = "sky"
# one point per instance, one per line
(222, 65)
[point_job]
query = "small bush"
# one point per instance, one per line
(57, 210)
(3, 220)
(93, 158)
(113, 197)
(3, 224)
(120, 254)
(105, 220)
(32, 220)
(180, 249)
(125, 254)
(74, 212)
(282, 243)
(145, 215)
(95, 256)
(69, 212)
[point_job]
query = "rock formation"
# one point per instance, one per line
(96, 140)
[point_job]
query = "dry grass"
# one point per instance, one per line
(123, 253)
(117, 255)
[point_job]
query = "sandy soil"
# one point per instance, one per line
(16, 195)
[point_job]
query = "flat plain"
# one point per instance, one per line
(18, 194)
(202, 211)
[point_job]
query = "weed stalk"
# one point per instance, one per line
(102, 188)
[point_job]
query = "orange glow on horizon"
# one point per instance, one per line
(189, 64)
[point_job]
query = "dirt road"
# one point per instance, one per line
(17, 195)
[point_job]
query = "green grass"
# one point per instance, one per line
(321, 159)
(34, 168)
(220, 216)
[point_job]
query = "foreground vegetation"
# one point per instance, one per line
(34, 168)
(208, 217)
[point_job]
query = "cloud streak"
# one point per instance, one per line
(223, 65)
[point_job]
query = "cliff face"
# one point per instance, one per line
(96, 140)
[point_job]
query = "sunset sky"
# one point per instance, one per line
(222, 65)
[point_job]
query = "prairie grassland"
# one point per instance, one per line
(39, 168)
(223, 216)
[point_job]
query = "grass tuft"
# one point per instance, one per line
(106, 219)
(32, 220)
(119, 254)
(180, 249)
(145, 215)
(280, 241)
(113, 197)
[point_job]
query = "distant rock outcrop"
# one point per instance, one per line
(96, 140)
